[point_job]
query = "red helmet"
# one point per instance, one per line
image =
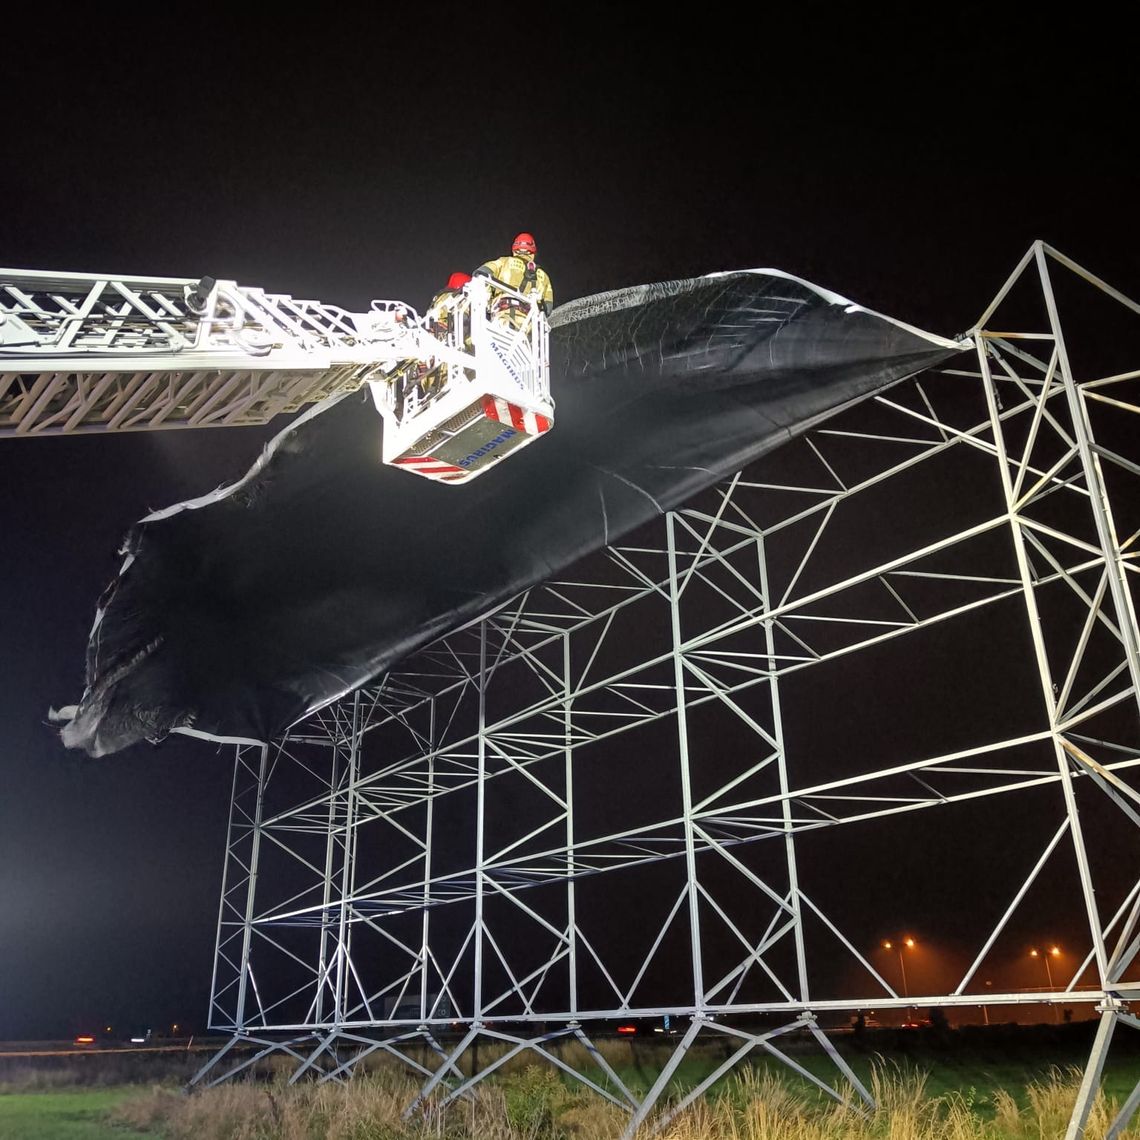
(524, 243)
(458, 280)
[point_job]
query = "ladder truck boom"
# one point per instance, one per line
(95, 353)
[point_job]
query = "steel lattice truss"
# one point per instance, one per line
(153, 354)
(472, 842)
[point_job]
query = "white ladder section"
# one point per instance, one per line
(92, 353)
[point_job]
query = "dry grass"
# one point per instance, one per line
(762, 1106)
(534, 1103)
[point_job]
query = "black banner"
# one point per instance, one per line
(238, 613)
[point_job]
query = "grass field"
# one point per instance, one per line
(1003, 1089)
(70, 1114)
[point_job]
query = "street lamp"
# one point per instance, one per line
(898, 945)
(1045, 955)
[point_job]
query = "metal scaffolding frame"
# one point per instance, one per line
(469, 851)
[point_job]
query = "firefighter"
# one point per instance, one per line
(447, 307)
(444, 303)
(520, 271)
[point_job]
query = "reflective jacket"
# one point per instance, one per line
(523, 276)
(442, 306)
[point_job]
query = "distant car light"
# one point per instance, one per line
(627, 1030)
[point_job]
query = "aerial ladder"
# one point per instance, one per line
(84, 352)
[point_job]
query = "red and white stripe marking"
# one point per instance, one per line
(431, 467)
(496, 408)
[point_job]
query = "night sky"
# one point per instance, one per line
(904, 161)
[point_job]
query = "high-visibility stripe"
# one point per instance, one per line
(426, 461)
(497, 409)
(535, 424)
(429, 465)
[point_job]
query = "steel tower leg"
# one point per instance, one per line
(1122, 611)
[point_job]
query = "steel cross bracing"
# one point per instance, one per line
(618, 796)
